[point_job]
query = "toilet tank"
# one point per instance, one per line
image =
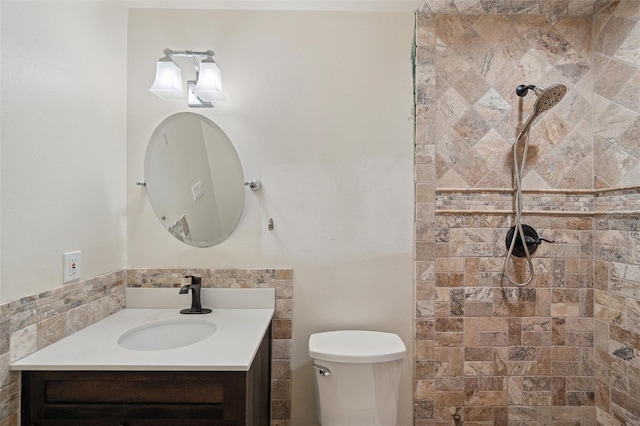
(357, 375)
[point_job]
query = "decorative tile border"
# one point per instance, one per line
(505, 200)
(616, 201)
(281, 350)
(568, 201)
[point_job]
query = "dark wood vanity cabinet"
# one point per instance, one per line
(150, 398)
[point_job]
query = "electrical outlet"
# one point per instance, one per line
(197, 191)
(72, 265)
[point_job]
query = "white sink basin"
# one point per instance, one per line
(168, 334)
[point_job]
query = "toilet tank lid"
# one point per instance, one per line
(356, 346)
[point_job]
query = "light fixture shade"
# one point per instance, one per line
(168, 83)
(209, 85)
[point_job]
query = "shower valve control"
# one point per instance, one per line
(530, 237)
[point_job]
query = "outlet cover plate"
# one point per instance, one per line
(72, 266)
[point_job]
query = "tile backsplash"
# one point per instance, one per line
(33, 322)
(281, 346)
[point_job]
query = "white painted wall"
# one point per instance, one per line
(319, 108)
(63, 120)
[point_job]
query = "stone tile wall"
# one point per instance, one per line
(617, 319)
(36, 321)
(617, 260)
(616, 93)
(281, 346)
(480, 60)
(485, 349)
(515, 7)
(505, 354)
(33, 322)
(425, 369)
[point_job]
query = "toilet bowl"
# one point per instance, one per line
(357, 375)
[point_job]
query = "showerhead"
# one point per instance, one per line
(547, 98)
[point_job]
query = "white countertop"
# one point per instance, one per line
(241, 317)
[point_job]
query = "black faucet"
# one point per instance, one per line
(196, 304)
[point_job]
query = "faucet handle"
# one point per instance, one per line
(195, 279)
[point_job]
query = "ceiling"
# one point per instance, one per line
(454, 7)
(311, 5)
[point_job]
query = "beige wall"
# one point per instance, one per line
(319, 108)
(63, 118)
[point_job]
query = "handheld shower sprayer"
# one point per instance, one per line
(547, 99)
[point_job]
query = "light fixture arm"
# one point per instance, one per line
(194, 55)
(189, 53)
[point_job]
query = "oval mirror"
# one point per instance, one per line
(194, 179)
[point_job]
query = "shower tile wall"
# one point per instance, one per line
(506, 353)
(617, 320)
(553, 7)
(492, 352)
(617, 238)
(480, 60)
(617, 95)
(487, 350)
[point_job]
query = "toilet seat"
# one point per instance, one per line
(356, 346)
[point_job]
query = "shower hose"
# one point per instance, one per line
(519, 232)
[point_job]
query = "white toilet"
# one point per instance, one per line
(357, 377)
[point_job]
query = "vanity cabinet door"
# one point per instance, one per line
(147, 422)
(133, 398)
(150, 398)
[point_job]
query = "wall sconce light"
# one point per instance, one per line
(201, 92)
